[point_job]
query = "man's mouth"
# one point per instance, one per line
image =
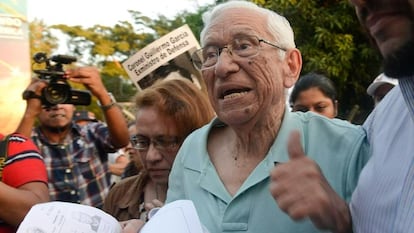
(234, 93)
(57, 115)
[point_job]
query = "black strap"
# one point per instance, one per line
(3, 154)
(27, 94)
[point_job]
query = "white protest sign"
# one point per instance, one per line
(160, 52)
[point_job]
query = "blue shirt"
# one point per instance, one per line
(384, 198)
(77, 169)
(340, 149)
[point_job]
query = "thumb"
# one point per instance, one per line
(295, 149)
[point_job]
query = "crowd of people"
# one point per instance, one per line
(237, 151)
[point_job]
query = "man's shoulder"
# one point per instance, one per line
(129, 182)
(391, 106)
(18, 143)
(313, 121)
(127, 189)
(390, 115)
(17, 137)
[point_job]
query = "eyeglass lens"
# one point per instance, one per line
(163, 143)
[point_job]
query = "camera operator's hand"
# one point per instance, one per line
(91, 79)
(32, 95)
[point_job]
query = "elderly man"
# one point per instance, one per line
(249, 60)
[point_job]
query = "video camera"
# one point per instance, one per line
(58, 90)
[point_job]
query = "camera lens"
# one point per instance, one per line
(57, 93)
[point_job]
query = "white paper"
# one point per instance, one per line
(64, 217)
(175, 217)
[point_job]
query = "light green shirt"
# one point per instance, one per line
(340, 149)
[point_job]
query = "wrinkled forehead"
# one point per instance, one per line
(232, 22)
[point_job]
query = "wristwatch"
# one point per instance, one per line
(110, 105)
(27, 94)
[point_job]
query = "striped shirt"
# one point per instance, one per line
(383, 201)
(78, 169)
(23, 165)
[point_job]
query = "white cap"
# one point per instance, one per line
(378, 81)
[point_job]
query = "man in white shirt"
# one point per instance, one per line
(383, 200)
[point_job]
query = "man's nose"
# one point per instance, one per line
(225, 63)
(153, 153)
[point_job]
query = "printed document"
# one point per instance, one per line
(63, 217)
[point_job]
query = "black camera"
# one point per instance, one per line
(58, 90)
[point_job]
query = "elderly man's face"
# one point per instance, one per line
(244, 88)
(390, 23)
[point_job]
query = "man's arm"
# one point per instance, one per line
(117, 125)
(33, 107)
(24, 180)
(16, 202)
(121, 161)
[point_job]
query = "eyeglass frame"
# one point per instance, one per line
(229, 48)
(169, 146)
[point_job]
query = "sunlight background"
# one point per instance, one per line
(14, 42)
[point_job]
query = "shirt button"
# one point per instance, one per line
(73, 192)
(68, 170)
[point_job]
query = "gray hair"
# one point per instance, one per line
(278, 25)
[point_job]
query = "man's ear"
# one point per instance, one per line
(293, 60)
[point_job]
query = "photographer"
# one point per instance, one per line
(75, 156)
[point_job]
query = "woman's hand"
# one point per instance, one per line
(153, 204)
(132, 225)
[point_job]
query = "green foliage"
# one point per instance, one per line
(107, 47)
(41, 38)
(326, 31)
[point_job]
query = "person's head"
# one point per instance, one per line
(167, 112)
(248, 61)
(316, 93)
(56, 118)
(380, 87)
(130, 151)
(391, 25)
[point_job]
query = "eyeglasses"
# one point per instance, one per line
(167, 144)
(242, 46)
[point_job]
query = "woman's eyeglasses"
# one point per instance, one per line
(161, 143)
